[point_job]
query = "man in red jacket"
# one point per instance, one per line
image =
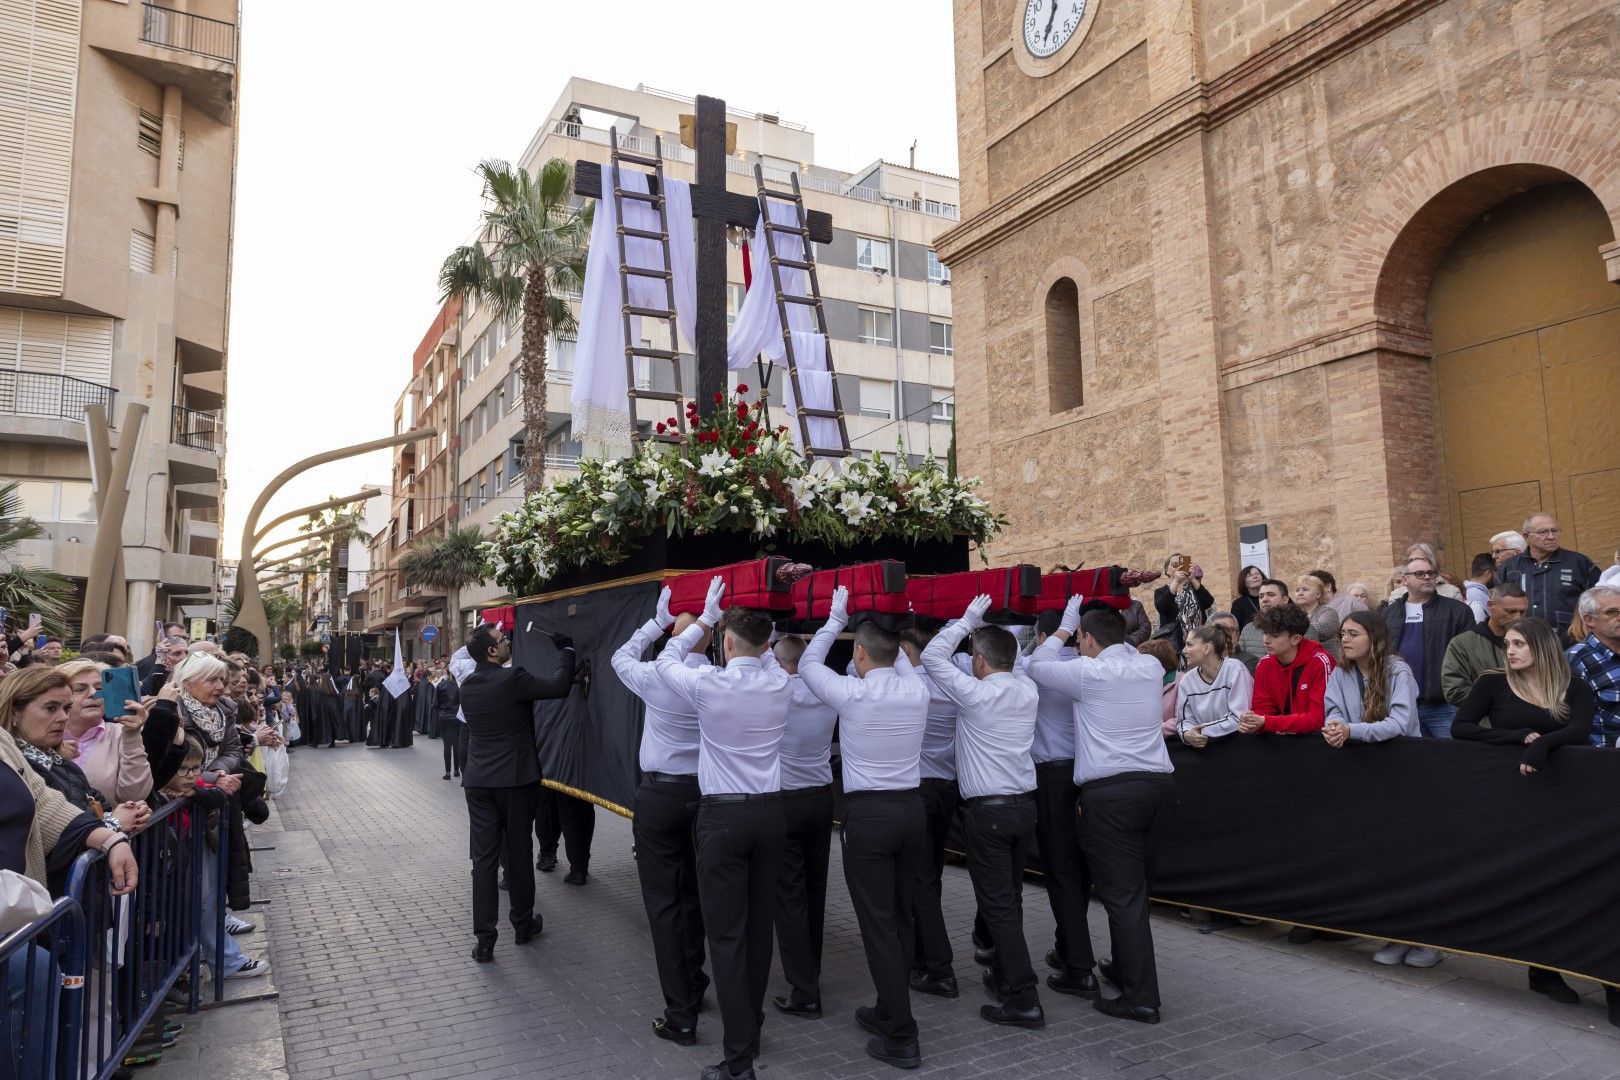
(1292, 677)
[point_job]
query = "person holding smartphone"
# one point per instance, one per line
(111, 753)
(1184, 603)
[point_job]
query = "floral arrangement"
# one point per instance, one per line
(730, 473)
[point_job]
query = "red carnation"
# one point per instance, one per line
(719, 397)
(660, 428)
(742, 411)
(753, 426)
(671, 422)
(735, 452)
(742, 389)
(753, 449)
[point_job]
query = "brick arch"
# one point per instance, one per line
(1075, 270)
(1390, 249)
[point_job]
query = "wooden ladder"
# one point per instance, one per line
(813, 300)
(632, 346)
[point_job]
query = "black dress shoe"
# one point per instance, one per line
(484, 952)
(1008, 1016)
(531, 931)
(720, 1072)
(943, 986)
(1081, 985)
(546, 863)
(1553, 985)
(788, 1007)
(678, 1035)
(904, 1055)
(446, 776)
(985, 956)
(1116, 1007)
(574, 877)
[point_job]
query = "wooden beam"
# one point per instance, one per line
(711, 255)
(731, 207)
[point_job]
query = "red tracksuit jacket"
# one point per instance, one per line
(1290, 698)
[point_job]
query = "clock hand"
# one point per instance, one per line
(1049, 20)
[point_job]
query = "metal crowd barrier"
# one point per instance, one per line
(33, 967)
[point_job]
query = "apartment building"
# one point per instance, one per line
(422, 486)
(886, 294)
(117, 174)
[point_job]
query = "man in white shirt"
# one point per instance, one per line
(665, 807)
(1127, 792)
(931, 970)
(995, 726)
(807, 809)
(882, 712)
(742, 712)
(1068, 884)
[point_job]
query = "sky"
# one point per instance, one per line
(360, 128)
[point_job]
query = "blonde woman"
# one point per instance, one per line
(1310, 594)
(112, 755)
(1535, 703)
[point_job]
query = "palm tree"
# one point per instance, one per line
(350, 524)
(27, 589)
(530, 252)
(281, 611)
(450, 562)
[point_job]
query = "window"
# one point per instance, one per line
(938, 272)
(57, 500)
(940, 339)
(149, 136)
(944, 409)
(1064, 387)
(142, 252)
(560, 359)
(497, 468)
(871, 254)
(877, 327)
(734, 299)
(498, 330)
(877, 398)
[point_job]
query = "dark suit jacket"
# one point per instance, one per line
(448, 701)
(500, 721)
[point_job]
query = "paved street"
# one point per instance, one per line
(368, 895)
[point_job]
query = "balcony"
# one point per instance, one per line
(193, 52)
(195, 442)
(52, 406)
(190, 33)
(197, 429)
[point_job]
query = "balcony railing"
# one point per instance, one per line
(198, 430)
(188, 33)
(61, 397)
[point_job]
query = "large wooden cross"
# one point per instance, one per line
(715, 208)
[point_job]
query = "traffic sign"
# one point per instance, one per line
(326, 639)
(429, 633)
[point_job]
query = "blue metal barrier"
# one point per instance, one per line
(134, 948)
(36, 1014)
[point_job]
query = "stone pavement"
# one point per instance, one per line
(368, 895)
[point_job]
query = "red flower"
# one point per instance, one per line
(742, 411)
(671, 422)
(782, 429)
(741, 389)
(660, 428)
(735, 452)
(753, 449)
(719, 398)
(753, 426)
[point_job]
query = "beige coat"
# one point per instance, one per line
(52, 813)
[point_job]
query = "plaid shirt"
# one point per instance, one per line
(1593, 662)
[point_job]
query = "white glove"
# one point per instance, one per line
(973, 618)
(1071, 615)
(839, 612)
(711, 604)
(662, 616)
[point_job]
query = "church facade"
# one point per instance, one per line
(1345, 270)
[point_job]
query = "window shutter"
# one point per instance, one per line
(39, 50)
(142, 252)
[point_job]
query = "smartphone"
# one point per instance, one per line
(35, 621)
(39, 642)
(1185, 564)
(117, 687)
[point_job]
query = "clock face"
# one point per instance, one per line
(1049, 24)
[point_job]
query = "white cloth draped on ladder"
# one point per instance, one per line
(601, 407)
(758, 329)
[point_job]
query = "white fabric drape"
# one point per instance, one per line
(601, 407)
(759, 330)
(397, 682)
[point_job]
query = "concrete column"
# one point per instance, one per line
(168, 181)
(142, 614)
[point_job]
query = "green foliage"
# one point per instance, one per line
(311, 647)
(452, 561)
(27, 589)
(287, 651)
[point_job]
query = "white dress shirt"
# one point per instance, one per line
(1119, 718)
(669, 736)
(881, 717)
(742, 711)
(807, 740)
(1054, 718)
(939, 737)
(461, 665)
(995, 722)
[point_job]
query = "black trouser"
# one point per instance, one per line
(666, 862)
(1068, 885)
(500, 820)
(999, 837)
(931, 956)
(453, 733)
(739, 855)
(1124, 821)
(801, 895)
(571, 819)
(883, 838)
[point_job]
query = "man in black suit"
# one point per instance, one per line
(502, 778)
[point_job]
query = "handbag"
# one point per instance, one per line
(22, 901)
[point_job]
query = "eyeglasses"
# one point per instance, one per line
(1422, 574)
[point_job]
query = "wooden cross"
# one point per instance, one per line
(715, 209)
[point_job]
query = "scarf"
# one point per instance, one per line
(1188, 611)
(209, 720)
(45, 760)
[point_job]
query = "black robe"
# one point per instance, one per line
(354, 710)
(302, 702)
(326, 719)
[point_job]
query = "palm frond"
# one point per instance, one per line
(451, 561)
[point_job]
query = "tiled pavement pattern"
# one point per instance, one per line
(369, 894)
